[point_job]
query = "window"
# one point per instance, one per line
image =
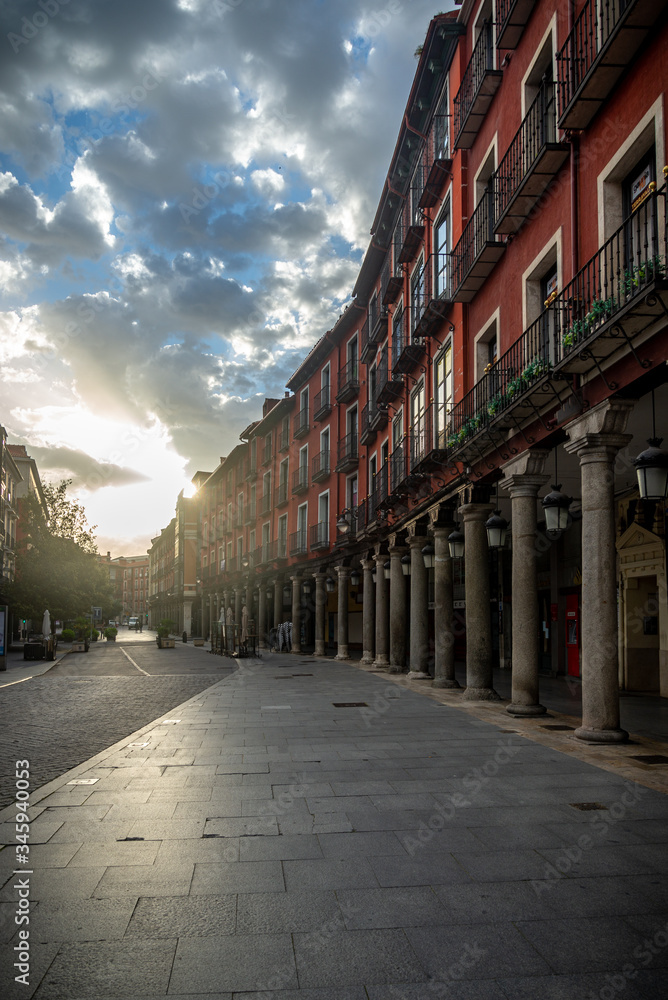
(443, 394)
(441, 139)
(266, 541)
(418, 292)
(442, 251)
(351, 492)
(418, 424)
(351, 422)
(283, 536)
(325, 377)
(323, 516)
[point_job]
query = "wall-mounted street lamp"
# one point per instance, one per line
(269, 593)
(306, 588)
(355, 578)
(374, 573)
(330, 585)
(343, 524)
(429, 555)
(497, 530)
(555, 505)
(406, 565)
(245, 561)
(386, 569)
(652, 467)
(456, 544)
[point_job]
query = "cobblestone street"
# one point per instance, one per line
(87, 702)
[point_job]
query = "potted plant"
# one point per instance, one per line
(110, 633)
(81, 642)
(164, 628)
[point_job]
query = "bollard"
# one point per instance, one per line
(185, 636)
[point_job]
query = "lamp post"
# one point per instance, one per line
(652, 467)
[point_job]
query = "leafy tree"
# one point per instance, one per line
(56, 560)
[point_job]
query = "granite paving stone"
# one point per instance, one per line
(593, 944)
(239, 962)
(475, 951)
(146, 880)
(276, 912)
(351, 957)
(403, 907)
(329, 874)
(88, 920)
(253, 876)
(100, 967)
(176, 917)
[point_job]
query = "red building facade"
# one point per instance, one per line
(509, 320)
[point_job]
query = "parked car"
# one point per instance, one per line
(133, 623)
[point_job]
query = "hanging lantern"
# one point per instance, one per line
(330, 585)
(245, 562)
(429, 555)
(306, 588)
(343, 524)
(555, 505)
(269, 593)
(456, 544)
(355, 578)
(406, 565)
(374, 573)
(287, 592)
(652, 471)
(497, 530)
(386, 569)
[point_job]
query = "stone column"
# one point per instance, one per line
(239, 595)
(596, 437)
(479, 676)
(522, 479)
(418, 659)
(382, 608)
(397, 610)
(368, 608)
(444, 636)
(296, 614)
(343, 573)
(262, 617)
(320, 607)
(278, 602)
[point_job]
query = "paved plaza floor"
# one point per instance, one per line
(312, 830)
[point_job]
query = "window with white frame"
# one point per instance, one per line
(283, 536)
(443, 393)
(442, 254)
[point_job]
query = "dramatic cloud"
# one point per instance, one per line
(186, 190)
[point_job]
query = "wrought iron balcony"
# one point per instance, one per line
(606, 36)
(348, 381)
(281, 494)
(380, 488)
(300, 480)
(322, 404)
(265, 503)
(284, 439)
(251, 469)
(532, 161)
(610, 305)
(437, 161)
(391, 279)
(511, 19)
(405, 353)
(398, 466)
(319, 536)
(298, 544)
(377, 320)
(267, 453)
(250, 512)
(348, 454)
(367, 431)
(239, 516)
(426, 441)
(478, 87)
(388, 388)
(432, 296)
(300, 424)
(412, 228)
(320, 467)
(367, 347)
(477, 251)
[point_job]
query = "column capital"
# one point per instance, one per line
(601, 427)
(380, 558)
(529, 463)
(398, 551)
(443, 516)
(319, 576)
(396, 539)
(475, 511)
(343, 572)
(296, 578)
(368, 564)
(417, 541)
(418, 529)
(523, 485)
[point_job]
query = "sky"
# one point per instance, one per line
(186, 193)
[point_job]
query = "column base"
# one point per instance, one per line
(445, 682)
(319, 649)
(601, 735)
(381, 663)
(394, 668)
(480, 694)
(525, 710)
(367, 658)
(418, 675)
(342, 654)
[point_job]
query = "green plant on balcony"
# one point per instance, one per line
(536, 369)
(599, 310)
(495, 404)
(642, 273)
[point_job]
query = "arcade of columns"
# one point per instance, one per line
(391, 642)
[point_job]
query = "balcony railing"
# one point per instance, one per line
(348, 381)
(392, 282)
(387, 388)
(300, 424)
(437, 161)
(367, 347)
(618, 295)
(251, 469)
(398, 466)
(239, 516)
(265, 503)
(298, 544)
(322, 404)
(250, 512)
(412, 228)
(604, 40)
(477, 251)
(405, 353)
(533, 160)
(300, 480)
(319, 535)
(281, 494)
(377, 319)
(431, 297)
(267, 453)
(511, 18)
(478, 87)
(348, 455)
(367, 430)
(320, 466)
(380, 490)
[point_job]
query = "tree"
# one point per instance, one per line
(56, 560)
